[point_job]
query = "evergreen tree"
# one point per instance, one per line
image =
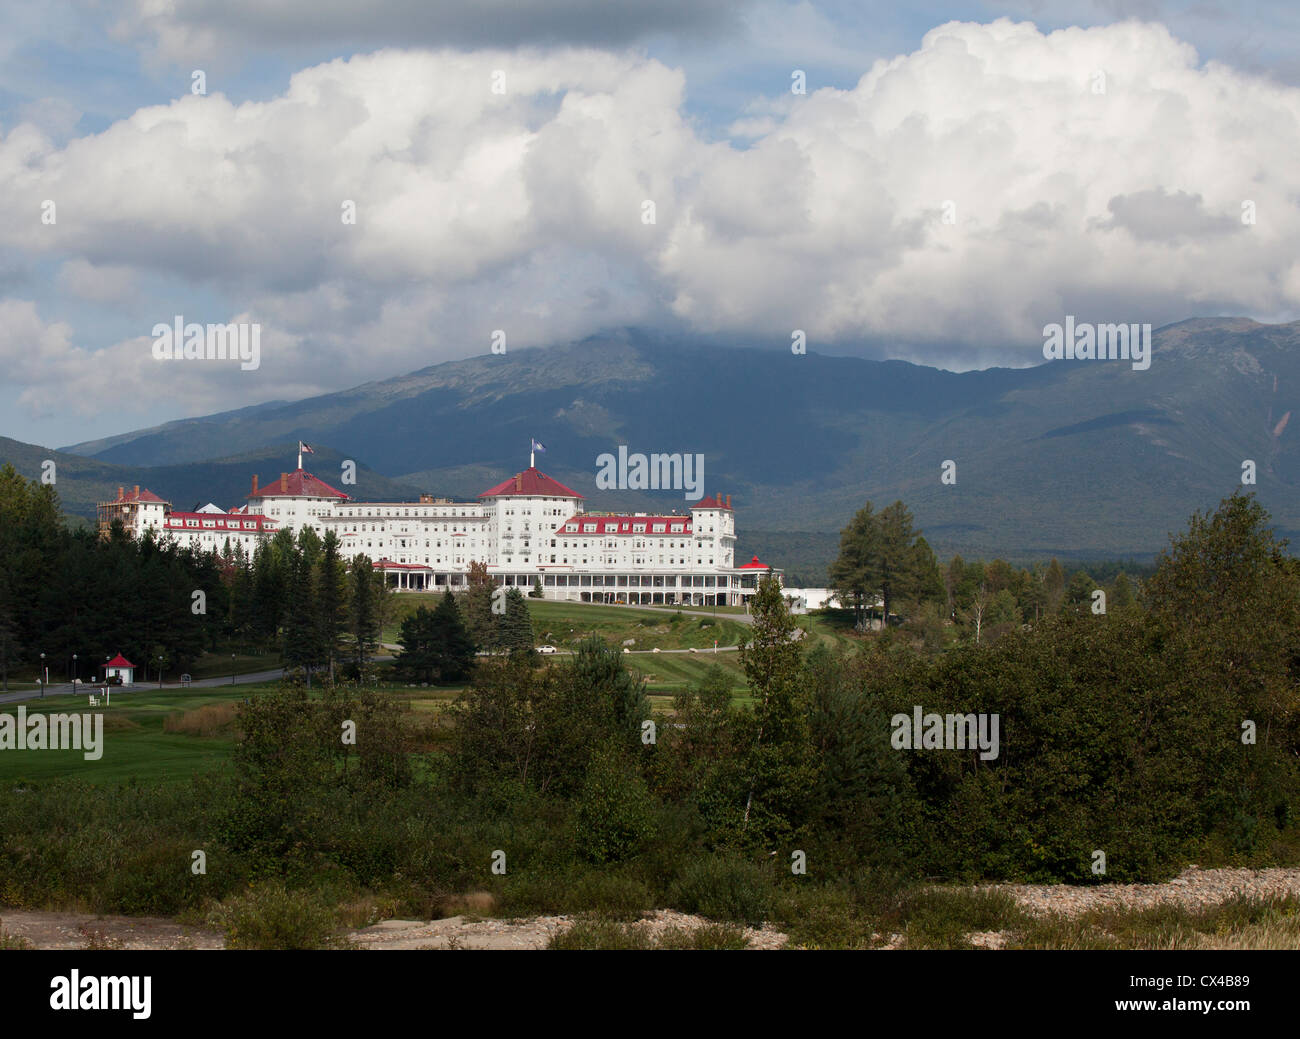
(1054, 587)
(853, 572)
(1078, 592)
(331, 600)
(883, 555)
(1122, 596)
(435, 645)
(418, 657)
(301, 645)
(781, 766)
(364, 624)
(479, 618)
(455, 647)
(515, 626)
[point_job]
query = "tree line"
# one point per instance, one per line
(162, 606)
(1162, 732)
(885, 568)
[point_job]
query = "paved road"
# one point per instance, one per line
(64, 689)
(85, 689)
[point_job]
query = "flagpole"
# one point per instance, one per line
(299, 454)
(532, 456)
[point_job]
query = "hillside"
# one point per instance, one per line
(81, 482)
(1076, 459)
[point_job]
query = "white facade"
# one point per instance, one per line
(529, 529)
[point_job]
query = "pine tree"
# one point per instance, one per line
(1054, 586)
(781, 766)
(364, 625)
(417, 659)
(516, 626)
(1122, 595)
(455, 647)
(852, 574)
(300, 645)
(479, 618)
(331, 600)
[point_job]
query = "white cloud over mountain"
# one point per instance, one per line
(523, 210)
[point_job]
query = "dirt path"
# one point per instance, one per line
(88, 931)
(459, 932)
(1193, 889)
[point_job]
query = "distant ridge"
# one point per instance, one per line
(1079, 459)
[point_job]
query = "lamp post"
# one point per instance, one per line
(74, 672)
(42, 676)
(232, 669)
(160, 663)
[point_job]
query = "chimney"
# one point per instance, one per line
(254, 485)
(284, 483)
(519, 482)
(121, 493)
(728, 501)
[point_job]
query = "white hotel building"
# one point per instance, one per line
(527, 529)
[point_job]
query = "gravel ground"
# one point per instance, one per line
(88, 931)
(1194, 888)
(459, 932)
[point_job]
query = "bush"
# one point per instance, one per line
(942, 919)
(724, 886)
(271, 917)
(601, 934)
(705, 937)
(615, 813)
(617, 896)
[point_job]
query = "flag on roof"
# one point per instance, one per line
(539, 446)
(305, 448)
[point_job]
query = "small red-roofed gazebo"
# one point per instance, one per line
(119, 665)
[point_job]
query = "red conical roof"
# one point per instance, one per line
(297, 484)
(531, 481)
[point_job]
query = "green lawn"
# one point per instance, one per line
(135, 746)
(834, 627)
(670, 674)
(565, 624)
(219, 664)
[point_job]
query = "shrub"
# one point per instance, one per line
(619, 896)
(271, 917)
(704, 937)
(601, 934)
(724, 886)
(615, 813)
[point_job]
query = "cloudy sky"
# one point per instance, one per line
(952, 177)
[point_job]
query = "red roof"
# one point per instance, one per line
(712, 503)
(297, 484)
(119, 661)
(532, 482)
(754, 564)
(235, 521)
(625, 524)
(124, 496)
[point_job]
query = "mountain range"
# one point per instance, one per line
(1077, 459)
